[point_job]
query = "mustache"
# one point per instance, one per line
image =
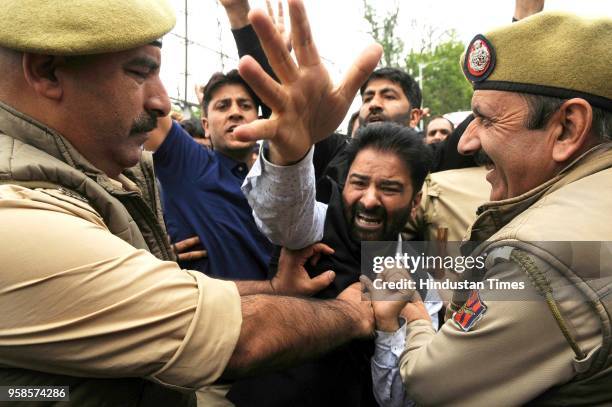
(379, 115)
(144, 123)
(481, 158)
(379, 211)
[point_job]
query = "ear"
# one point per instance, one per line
(39, 71)
(415, 117)
(205, 126)
(416, 202)
(571, 127)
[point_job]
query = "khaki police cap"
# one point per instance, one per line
(79, 27)
(551, 54)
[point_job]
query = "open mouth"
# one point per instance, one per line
(374, 119)
(368, 221)
(230, 129)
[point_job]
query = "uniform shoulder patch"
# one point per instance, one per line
(471, 312)
(479, 59)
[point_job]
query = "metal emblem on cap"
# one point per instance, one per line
(479, 60)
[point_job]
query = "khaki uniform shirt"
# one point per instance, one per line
(516, 351)
(449, 202)
(77, 300)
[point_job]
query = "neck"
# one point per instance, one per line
(237, 155)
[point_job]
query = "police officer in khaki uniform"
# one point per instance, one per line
(90, 295)
(543, 107)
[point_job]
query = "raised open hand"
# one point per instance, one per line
(306, 106)
(279, 22)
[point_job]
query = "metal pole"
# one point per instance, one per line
(186, 54)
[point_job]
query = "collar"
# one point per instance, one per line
(238, 168)
(495, 215)
(30, 131)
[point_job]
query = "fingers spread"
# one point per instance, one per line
(262, 129)
(281, 15)
(272, 43)
(268, 90)
(270, 11)
(359, 72)
(301, 36)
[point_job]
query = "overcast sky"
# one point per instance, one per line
(338, 28)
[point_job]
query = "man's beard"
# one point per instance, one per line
(391, 226)
(144, 123)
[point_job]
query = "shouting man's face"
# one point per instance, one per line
(378, 196)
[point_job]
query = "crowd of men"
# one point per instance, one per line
(150, 260)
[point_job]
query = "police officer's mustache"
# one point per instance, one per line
(481, 158)
(144, 123)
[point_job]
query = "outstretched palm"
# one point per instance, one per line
(306, 106)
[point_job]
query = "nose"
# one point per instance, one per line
(469, 143)
(235, 112)
(375, 104)
(157, 100)
(370, 199)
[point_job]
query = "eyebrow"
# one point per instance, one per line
(239, 100)
(384, 183)
(391, 183)
(360, 176)
(477, 112)
(143, 61)
(383, 90)
(389, 90)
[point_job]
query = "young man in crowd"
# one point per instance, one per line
(201, 187)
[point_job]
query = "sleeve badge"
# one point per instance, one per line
(470, 313)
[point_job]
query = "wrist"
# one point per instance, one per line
(525, 9)
(238, 15)
(284, 158)
(387, 324)
(361, 322)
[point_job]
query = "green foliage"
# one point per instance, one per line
(192, 110)
(444, 88)
(383, 33)
(443, 85)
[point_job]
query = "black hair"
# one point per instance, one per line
(407, 83)
(541, 109)
(194, 127)
(220, 79)
(403, 141)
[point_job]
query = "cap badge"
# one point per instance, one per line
(480, 59)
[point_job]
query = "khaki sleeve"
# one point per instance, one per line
(512, 354)
(77, 300)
